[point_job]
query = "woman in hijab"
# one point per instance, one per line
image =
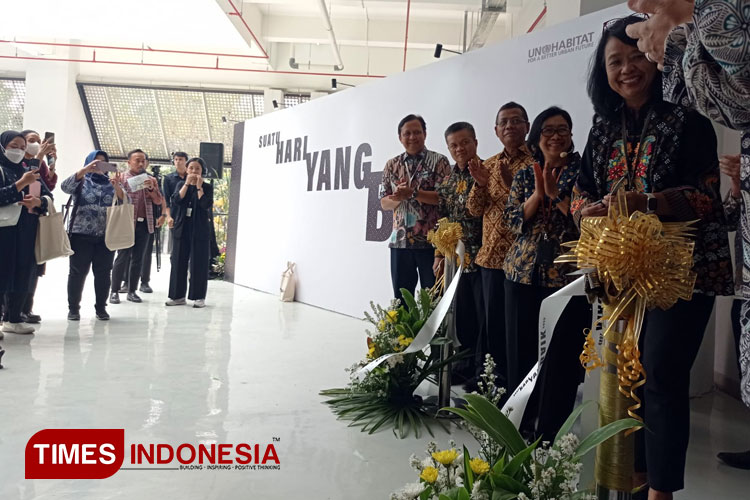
(192, 202)
(17, 262)
(92, 191)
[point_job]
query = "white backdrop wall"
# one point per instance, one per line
(286, 214)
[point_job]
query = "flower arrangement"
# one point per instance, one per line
(506, 467)
(385, 394)
(219, 263)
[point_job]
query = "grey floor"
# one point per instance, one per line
(245, 369)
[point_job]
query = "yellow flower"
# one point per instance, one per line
(429, 474)
(392, 316)
(405, 341)
(381, 325)
(479, 466)
(371, 352)
(446, 457)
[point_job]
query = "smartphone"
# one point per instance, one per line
(105, 167)
(35, 189)
(49, 137)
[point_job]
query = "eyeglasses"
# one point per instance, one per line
(612, 22)
(511, 121)
(561, 131)
(463, 144)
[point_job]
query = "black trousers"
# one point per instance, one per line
(737, 330)
(189, 254)
(90, 252)
(146, 266)
(130, 260)
(13, 306)
(28, 304)
(669, 344)
(562, 371)
(493, 293)
(469, 305)
(405, 262)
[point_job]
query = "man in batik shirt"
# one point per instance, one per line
(408, 189)
(487, 199)
(454, 191)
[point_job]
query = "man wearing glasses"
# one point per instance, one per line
(487, 199)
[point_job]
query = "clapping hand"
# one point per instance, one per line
(403, 191)
(550, 182)
(539, 180)
(479, 172)
(730, 165)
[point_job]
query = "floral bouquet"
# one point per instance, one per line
(385, 394)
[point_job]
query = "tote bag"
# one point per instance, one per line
(9, 214)
(51, 239)
(120, 231)
(288, 282)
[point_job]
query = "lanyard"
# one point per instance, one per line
(637, 153)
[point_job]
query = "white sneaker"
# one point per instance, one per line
(19, 328)
(176, 302)
(199, 303)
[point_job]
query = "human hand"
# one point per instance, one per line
(634, 201)
(190, 179)
(28, 178)
(116, 179)
(538, 180)
(550, 182)
(150, 183)
(160, 220)
(437, 266)
(91, 168)
(479, 172)
(730, 165)
(403, 191)
(47, 148)
(30, 202)
(170, 222)
(652, 34)
(597, 209)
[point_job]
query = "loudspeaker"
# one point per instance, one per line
(213, 154)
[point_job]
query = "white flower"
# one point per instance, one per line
(568, 444)
(476, 494)
(395, 360)
(415, 463)
(411, 491)
(428, 462)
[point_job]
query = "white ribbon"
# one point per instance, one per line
(549, 314)
(431, 326)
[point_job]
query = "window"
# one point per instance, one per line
(163, 120)
(12, 101)
(294, 99)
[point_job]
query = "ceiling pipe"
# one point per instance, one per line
(131, 49)
(491, 9)
(244, 23)
(406, 35)
(538, 19)
(339, 66)
(182, 66)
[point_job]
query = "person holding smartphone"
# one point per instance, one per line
(191, 204)
(17, 262)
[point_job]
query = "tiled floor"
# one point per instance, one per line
(245, 369)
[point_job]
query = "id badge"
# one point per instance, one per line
(189, 212)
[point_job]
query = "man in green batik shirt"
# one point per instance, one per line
(453, 195)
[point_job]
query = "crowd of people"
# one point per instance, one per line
(29, 179)
(518, 207)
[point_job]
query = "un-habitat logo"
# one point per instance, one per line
(562, 47)
(100, 453)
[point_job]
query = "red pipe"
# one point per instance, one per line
(538, 19)
(406, 36)
(237, 13)
(181, 66)
(141, 49)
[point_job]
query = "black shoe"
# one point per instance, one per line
(145, 288)
(74, 316)
(101, 314)
(738, 460)
(124, 288)
(114, 298)
(30, 318)
(133, 297)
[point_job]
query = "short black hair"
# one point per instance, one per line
(409, 118)
(181, 154)
(536, 130)
(512, 105)
(607, 102)
(202, 163)
(131, 153)
(459, 126)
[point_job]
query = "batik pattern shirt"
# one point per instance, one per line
(489, 203)
(412, 220)
(522, 263)
(454, 195)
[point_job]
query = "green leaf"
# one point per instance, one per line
(468, 473)
(426, 494)
(603, 433)
(385, 418)
(412, 422)
(440, 341)
(521, 460)
(463, 494)
(511, 485)
(572, 420)
(503, 495)
(409, 301)
(499, 465)
(497, 425)
(445, 497)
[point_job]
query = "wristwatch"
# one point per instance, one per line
(651, 203)
(414, 193)
(556, 200)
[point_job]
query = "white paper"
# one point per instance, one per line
(138, 182)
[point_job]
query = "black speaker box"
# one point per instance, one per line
(213, 154)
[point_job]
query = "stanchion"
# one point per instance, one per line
(614, 457)
(446, 350)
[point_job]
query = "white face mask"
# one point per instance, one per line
(14, 155)
(33, 148)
